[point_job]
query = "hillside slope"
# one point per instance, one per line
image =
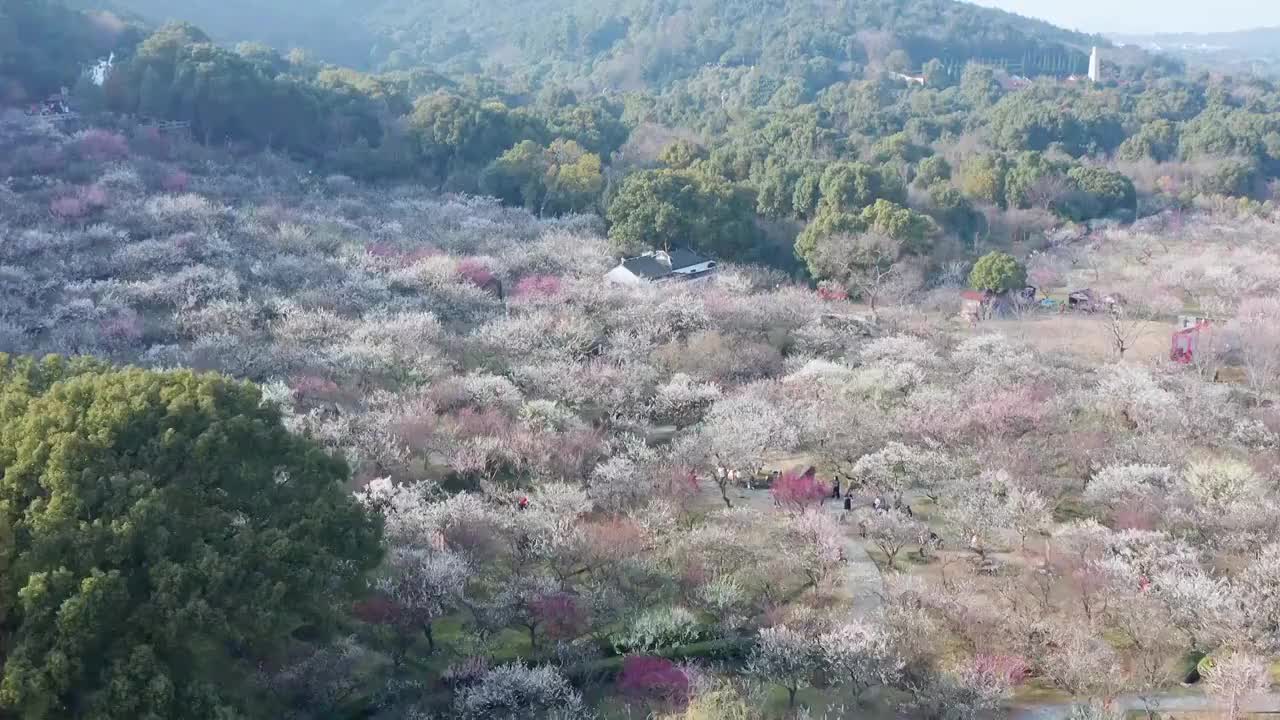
(323, 28)
(625, 43)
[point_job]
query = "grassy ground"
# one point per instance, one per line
(1085, 336)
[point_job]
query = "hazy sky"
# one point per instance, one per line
(1141, 16)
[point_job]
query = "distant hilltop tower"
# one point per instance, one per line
(1095, 66)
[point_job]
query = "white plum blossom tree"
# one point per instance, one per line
(1236, 678)
(978, 510)
(425, 586)
(1029, 513)
(890, 530)
(519, 692)
(814, 544)
(860, 654)
(682, 400)
(897, 468)
(1116, 486)
(1255, 334)
(786, 657)
(1257, 592)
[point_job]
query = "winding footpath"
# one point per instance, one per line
(861, 575)
(865, 587)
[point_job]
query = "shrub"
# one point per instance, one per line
(123, 328)
(308, 387)
(655, 679)
(397, 257)
(78, 203)
(475, 272)
(37, 160)
(101, 145)
(176, 181)
(563, 618)
(68, 207)
(517, 692)
(832, 291)
(661, 628)
(151, 143)
(466, 671)
(538, 286)
(1007, 669)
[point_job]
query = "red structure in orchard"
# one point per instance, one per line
(1186, 342)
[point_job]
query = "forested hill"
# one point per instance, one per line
(331, 30)
(47, 44)
(752, 139)
(636, 43)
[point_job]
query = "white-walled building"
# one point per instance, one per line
(662, 266)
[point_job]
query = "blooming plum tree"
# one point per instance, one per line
(815, 545)
(519, 692)
(1236, 678)
(425, 585)
(859, 654)
(890, 530)
(655, 679)
(799, 492)
(785, 657)
(897, 468)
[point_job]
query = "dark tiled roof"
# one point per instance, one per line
(681, 258)
(648, 266)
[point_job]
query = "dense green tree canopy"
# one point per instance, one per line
(848, 187)
(1030, 179)
(164, 534)
(908, 228)
(1156, 140)
(559, 178)
(998, 272)
(1101, 193)
(670, 208)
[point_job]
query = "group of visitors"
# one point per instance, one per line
(929, 540)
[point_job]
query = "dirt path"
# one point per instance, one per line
(862, 580)
(1167, 703)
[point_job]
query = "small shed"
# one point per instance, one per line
(976, 304)
(971, 302)
(1084, 300)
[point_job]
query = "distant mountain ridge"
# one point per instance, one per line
(1259, 40)
(320, 26)
(1255, 50)
(629, 43)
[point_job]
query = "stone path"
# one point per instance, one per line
(861, 575)
(1191, 701)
